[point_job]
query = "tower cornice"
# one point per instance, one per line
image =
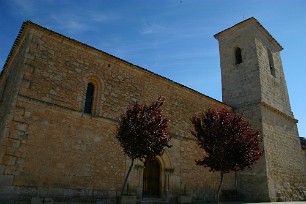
(250, 21)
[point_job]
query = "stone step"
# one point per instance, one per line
(153, 201)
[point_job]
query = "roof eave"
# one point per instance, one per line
(246, 22)
(29, 24)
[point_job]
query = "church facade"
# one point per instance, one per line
(56, 147)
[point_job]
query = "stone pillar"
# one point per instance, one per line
(168, 192)
(139, 168)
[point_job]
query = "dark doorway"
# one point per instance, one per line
(151, 179)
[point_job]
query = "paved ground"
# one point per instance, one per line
(289, 202)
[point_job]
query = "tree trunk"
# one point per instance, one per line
(219, 188)
(125, 181)
(236, 181)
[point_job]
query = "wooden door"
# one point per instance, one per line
(151, 179)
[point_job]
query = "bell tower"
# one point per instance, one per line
(253, 82)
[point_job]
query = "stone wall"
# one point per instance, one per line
(52, 150)
(251, 87)
(241, 89)
(240, 82)
(279, 128)
(303, 144)
(285, 162)
(10, 83)
(273, 87)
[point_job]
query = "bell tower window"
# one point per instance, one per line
(89, 98)
(238, 56)
(271, 63)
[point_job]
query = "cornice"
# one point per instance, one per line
(247, 22)
(28, 25)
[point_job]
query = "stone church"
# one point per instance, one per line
(60, 101)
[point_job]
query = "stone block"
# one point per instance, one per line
(36, 200)
(129, 199)
(48, 201)
(100, 193)
(16, 143)
(27, 191)
(21, 202)
(56, 192)
(2, 167)
(184, 199)
(112, 194)
(6, 180)
(9, 160)
(7, 200)
(68, 193)
(42, 191)
(86, 192)
(27, 113)
(7, 191)
(22, 126)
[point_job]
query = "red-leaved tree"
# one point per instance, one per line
(229, 142)
(142, 133)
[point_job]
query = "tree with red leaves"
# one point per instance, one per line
(229, 142)
(142, 133)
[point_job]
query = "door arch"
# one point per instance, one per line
(151, 179)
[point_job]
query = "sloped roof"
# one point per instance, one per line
(246, 22)
(28, 24)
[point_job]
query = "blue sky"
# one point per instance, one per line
(173, 38)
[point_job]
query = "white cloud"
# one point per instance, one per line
(153, 28)
(66, 23)
(23, 7)
(101, 18)
(62, 16)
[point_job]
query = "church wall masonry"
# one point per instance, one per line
(51, 149)
(9, 85)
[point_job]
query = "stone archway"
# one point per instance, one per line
(161, 165)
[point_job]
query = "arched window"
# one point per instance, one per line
(271, 63)
(238, 56)
(89, 98)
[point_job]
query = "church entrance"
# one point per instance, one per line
(151, 179)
